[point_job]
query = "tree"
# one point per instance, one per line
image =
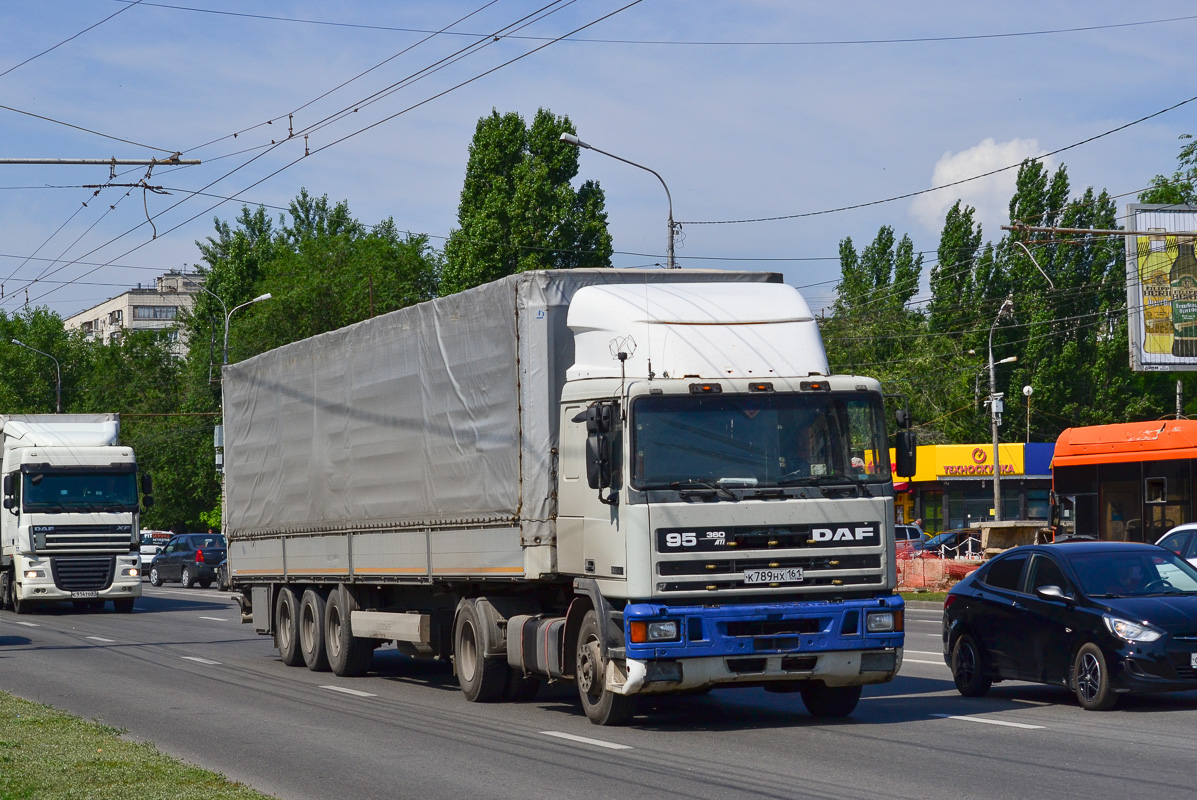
(1181, 188)
(518, 210)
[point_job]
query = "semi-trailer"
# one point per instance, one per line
(640, 482)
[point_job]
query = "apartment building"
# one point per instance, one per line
(155, 307)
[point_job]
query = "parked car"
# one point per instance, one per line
(1182, 540)
(907, 536)
(1100, 618)
(962, 543)
(222, 575)
(189, 558)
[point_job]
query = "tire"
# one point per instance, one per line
(1091, 679)
(482, 680)
(5, 589)
(186, 579)
(828, 702)
(155, 578)
(311, 630)
(349, 656)
(968, 668)
(602, 707)
(520, 688)
(124, 605)
(286, 627)
(19, 606)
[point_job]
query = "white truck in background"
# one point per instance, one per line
(639, 482)
(69, 525)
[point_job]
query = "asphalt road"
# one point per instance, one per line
(182, 672)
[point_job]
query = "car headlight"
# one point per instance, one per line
(1131, 631)
(883, 621)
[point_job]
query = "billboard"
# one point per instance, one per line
(1161, 287)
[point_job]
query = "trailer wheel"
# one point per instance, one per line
(602, 707)
(348, 655)
(286, 627)
(826, 701)
(311, 630)
(482, 679)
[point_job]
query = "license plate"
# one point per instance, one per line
(787, 575)
(1193, 660)
(84, 595)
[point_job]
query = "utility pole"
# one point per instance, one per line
(995, 413)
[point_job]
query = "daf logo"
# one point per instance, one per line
(842, 534)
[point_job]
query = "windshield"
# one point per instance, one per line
(1137, 574)
(79, 491)
(758, 440)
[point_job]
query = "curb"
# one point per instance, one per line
(925, 605)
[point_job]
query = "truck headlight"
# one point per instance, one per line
(642, 631)
(883, 622)
(131, 572)
(35, 573)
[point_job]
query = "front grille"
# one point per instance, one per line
(789, 627)
(1182, 663)
(50, 540)
(746, 665)
(83, 574)
(728, 566)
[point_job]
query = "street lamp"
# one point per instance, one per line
(229, 316)
(1027, 391)
(569, 138)
(57, 371)
(995, 411)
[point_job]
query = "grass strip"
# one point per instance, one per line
(47, 753)
(931, 597)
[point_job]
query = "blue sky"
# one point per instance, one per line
(746, 109)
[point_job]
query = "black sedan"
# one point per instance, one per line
(189, 558)
(1101, 618)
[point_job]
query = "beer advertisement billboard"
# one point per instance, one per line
(1161, 287)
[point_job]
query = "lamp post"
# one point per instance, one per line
(229, 316)
(57, 372)
(995, 412)
(1027, 391)
(569, 138)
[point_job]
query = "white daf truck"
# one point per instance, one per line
(639, 482)
(69, 523)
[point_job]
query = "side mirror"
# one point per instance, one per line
(147, 483)
(1052, 592)
(148, 500)
(10, 502)
(598, 461)
(906, 453)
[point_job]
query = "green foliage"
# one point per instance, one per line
(518, 210)
(1181, 188)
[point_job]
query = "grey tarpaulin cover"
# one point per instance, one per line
(441, 414)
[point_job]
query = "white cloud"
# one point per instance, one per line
(990, 196)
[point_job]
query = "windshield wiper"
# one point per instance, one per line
(820, 480)
(693, 484)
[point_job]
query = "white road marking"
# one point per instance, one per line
(991, 721)
(26, 624)
(100, 639)
(200, 660)
(353, 692)
(919, 696)
(216, 619)
(917, 661)
(1031, 702)
(936, 635)
(923, 652)
(586, 740)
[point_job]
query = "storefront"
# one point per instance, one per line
(953, 487)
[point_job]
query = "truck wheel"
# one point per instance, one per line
(348, 655)
(19, 606)
(6, 589)
(483, 680)
(123, 606)
(520, 688)
(1091, 679)
(968, 670)
(286, 627)
(602, 707)
(185, 578)
(311, 631)
(826, 701)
